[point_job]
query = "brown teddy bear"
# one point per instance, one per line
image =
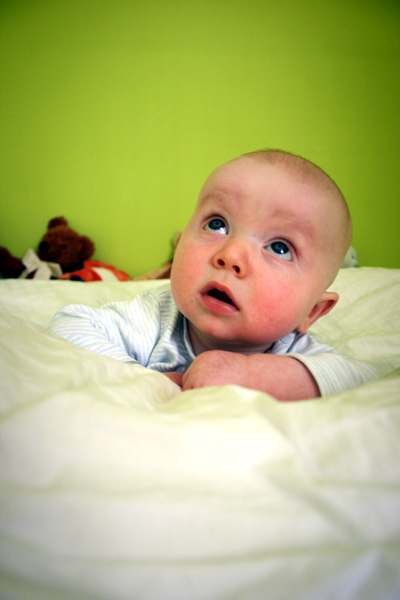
(62, 254)
(60, 244)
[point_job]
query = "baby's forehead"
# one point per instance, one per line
(246, 178)
(245, 171)
(277, 187)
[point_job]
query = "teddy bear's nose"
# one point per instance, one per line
(44, 246)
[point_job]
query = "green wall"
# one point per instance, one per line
(113, 112)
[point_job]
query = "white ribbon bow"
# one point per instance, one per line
(43, 270)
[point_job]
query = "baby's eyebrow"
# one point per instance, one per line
(304, 232)
(219, 197)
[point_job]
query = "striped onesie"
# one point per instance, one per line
(150, 331)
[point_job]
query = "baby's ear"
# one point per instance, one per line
(323, 306)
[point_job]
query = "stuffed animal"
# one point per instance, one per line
(62, 254)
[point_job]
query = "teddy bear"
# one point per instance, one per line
(62, 254)
(60, 244)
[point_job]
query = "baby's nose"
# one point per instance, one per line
(233, 256)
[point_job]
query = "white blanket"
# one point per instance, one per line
(117, 486)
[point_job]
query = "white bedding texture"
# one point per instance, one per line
(115, 485)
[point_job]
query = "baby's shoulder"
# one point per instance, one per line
(161, 295)
(158, 299)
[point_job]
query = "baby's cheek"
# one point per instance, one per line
(187, 259)
(185, 275)
(275, 313)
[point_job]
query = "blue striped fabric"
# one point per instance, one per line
(149, 330)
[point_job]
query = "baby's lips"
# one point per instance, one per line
(218, 290)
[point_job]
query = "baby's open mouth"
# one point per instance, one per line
(221, 296)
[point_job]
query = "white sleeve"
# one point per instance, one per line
(125, 331)
(333, 372)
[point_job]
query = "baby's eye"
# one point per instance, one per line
(279, 249)
(217, 225)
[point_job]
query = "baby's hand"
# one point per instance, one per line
(176, 377)
(216, 367)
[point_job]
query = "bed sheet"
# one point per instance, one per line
(115, 485)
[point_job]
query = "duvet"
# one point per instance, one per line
(115, 485)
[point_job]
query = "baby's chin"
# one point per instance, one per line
(204, 341)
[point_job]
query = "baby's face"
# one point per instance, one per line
(255, 257)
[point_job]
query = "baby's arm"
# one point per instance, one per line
(283, 377)
(97, 330)
(287, 377)
(117, 330)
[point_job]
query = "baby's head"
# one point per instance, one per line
(336, 217)
(266, 239)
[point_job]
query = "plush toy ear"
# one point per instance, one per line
(87, 247)
(322, 307)
(56, 221)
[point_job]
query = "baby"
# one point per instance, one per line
(249, 277)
